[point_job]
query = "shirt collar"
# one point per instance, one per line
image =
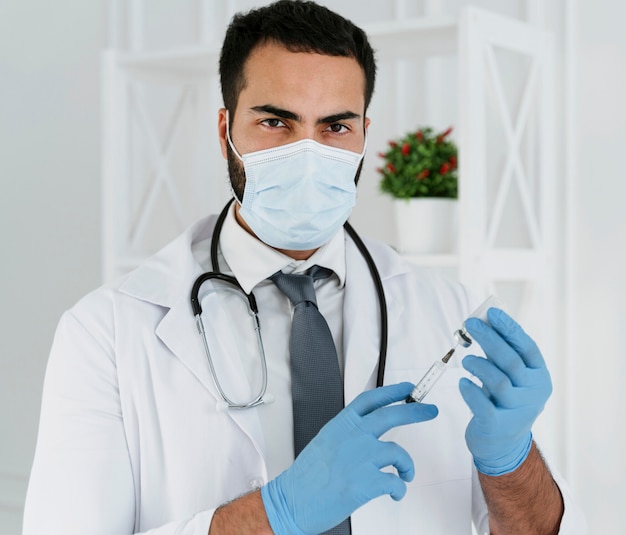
(252, 261)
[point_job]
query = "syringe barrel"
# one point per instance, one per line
(427, 382)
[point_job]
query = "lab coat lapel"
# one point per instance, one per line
(179, 333)
(361, 317)
(166, 280)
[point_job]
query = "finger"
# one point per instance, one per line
(371, 400)
(378, 482)
(498, 351)
(496, 384)
(392, 485)
(381, 483)
(382, 420)
(391, 454)
(475, 398)
(516, 337)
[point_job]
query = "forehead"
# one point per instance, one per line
(273, 72)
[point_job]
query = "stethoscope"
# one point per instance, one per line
(261, 397)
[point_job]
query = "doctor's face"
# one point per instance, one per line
(290, 96)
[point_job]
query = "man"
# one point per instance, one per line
(134, 436)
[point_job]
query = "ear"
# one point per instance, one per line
(367, 124)
(221, 131)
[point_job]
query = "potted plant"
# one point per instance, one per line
(420, 172)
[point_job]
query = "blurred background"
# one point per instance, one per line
(108, 148)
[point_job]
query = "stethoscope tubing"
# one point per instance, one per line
(382, 302)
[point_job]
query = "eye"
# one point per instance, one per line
(273, 123)
(338, 128)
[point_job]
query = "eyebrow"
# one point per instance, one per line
(286, 114)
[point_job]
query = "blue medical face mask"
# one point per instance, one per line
(297, 196)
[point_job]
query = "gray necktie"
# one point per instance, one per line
(316, 385)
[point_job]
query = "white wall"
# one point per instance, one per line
(599, 227)
(50, 215)
(49, 205)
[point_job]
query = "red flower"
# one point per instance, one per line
(423, 174)
(393, 144)
(382, 155)
(453, 162)
(419, 135)
(406, 149)
(445, 167)
(391, 168)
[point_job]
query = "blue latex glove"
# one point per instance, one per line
(516, 386)
(340, 469)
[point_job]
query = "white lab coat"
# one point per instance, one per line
(130, 439)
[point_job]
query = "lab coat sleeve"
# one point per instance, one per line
(574, 521)
(480, 514)
(81, 480)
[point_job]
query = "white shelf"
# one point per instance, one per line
(432, 260)
(411, 38)
(184, 63)
(414, 38)
(514, 264)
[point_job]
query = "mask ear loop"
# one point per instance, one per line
(228, 138)
(232, 146)
(364, 145)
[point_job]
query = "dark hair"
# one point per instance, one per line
(299, 26)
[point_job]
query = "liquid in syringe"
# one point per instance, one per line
(461, 337)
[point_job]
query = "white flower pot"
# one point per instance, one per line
(426, 225)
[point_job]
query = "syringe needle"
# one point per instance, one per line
(447, 356)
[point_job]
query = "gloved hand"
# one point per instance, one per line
(516, 386)
(340, 469)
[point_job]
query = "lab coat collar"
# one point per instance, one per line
(166, 276)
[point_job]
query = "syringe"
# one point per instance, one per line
(461, 337)
(428, 381)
